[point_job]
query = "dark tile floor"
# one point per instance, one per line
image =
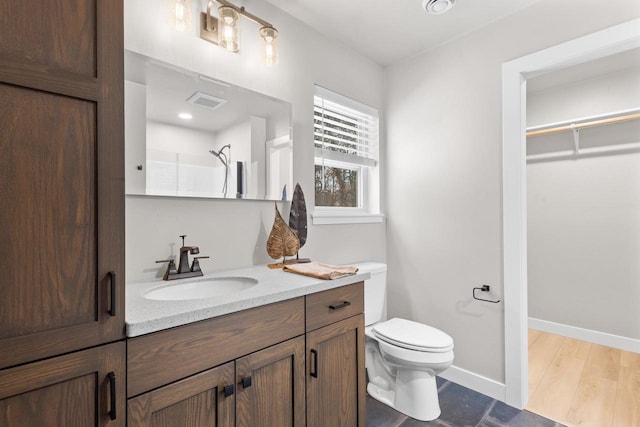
(461, 407)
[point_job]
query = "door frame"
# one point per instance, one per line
(515, 73)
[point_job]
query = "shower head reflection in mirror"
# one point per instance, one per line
(225, 161)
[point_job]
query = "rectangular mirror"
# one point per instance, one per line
(189, 135)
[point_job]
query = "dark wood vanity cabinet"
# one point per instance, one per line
(336, 385)
(271, 386)
(204, 399)
(297, 362)
(267, 389)
(264, 348)
(62, 215)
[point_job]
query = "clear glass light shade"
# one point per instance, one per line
(269, 37)
(179, 13)
(228, 28)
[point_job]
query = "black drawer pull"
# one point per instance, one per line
(112, 395)
(339, 306)
(229, 390)
(314, 373)
(112, 306)
(246, 382)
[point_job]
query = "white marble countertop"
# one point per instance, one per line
(144, 316)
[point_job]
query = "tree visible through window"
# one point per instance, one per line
(337, 186)
(345, 139)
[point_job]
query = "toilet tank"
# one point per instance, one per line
(375, 291)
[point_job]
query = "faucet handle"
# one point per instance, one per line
(171, 268)
(195, 266)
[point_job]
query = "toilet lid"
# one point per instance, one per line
(413, 336)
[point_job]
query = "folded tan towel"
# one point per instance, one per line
(321, 271)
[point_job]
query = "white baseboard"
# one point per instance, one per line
(475, 382)
(602, 338)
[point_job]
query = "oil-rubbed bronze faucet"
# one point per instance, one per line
(183, 271)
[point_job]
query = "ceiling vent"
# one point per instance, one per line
(206, 100)
(436, 7)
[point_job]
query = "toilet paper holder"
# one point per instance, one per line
(483, 288)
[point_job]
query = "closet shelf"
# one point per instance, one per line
(576, 124)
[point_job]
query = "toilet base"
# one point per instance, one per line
(415, 394)
(381, 394)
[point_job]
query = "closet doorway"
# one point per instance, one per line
(583, 242)
(515, 74)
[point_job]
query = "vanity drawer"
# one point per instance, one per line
(324, 308)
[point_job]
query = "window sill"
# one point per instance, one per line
(329, 218)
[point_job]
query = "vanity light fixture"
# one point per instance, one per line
(269, 36)
(225, 30)
(437, 7)
(180, 14)
(228, 28)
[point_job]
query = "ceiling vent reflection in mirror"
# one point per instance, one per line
(206, 100)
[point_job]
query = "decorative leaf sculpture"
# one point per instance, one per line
(298, 215)
(282, 242)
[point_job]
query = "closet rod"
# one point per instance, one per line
(586, 124)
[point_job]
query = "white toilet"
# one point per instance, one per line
(402, 357)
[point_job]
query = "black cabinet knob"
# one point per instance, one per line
(246, 382)
(229, 390)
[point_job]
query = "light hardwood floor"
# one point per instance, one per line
(583, 384)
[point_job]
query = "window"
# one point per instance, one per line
(346, 156)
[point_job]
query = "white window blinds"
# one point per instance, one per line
(344, 130)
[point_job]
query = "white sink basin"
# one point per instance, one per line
(203, 288)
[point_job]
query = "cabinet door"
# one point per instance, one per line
(203, 400)
(62, 178)
(271, 389)
(85, 388)
(336, 374)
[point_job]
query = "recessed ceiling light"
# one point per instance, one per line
(437, 7)
(185, 116)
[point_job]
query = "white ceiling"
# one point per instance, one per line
(389, 31)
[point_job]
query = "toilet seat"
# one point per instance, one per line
(413, 336)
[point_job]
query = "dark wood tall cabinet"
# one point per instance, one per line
(79, 389)
(62, 214)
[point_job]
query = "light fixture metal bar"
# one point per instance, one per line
(242, 11)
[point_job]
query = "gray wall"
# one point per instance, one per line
(443, 176)
(234, 232)
(584, 214)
